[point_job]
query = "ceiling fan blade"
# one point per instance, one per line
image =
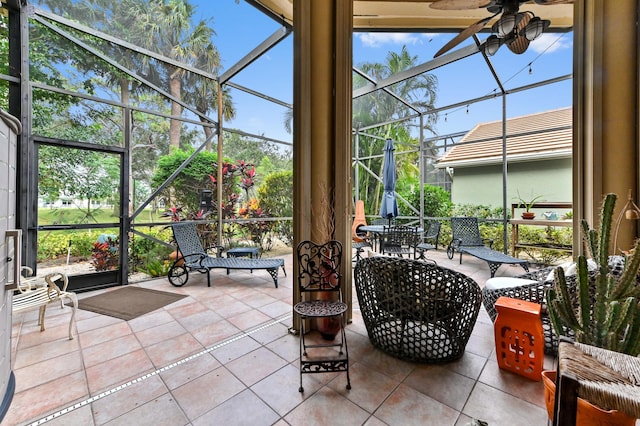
(459, 4)
(466, 33)
(520, 43)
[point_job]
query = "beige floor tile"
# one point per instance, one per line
(116, 371)
(197, 320)
(80, 416)
(150, 320)
(384, 363)
(45, 351)
(280, 389)
(41, 400)
(469, 365)
(235, 349)
(262, 366)
(31, 335)
(327, 407)
(210, 334)
(249, 319)
(255, 366)
(499, 408)
(189, 370)
(258, 300)
(162, 410)
(271, 332)
(407, 406)
(276, 309)
(174, 349)
(369, 388)
(128, 399)
(159, 333)
(42, 372)
(104, 334)
(178, 312)
(206, 392)
(513, 384)
(244, 408)
(287, 347)
(111, 349)
(441, 384)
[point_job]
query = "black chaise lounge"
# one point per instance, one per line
(467, 239)
(194, 257)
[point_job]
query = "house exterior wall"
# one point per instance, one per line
(551, 179)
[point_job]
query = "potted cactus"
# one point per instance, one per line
(601, 308)
(604, 309)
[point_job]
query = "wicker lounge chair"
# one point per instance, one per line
(414, 310)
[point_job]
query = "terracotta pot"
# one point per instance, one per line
(174, 255)
(588, 414)
(528, 215)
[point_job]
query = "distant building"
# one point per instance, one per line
(538, 152)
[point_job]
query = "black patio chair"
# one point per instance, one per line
(399, 240)
(319, 281)
(429, 240)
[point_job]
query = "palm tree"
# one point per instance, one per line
(380, 107)
(169, 30)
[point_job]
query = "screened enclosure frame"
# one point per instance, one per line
(20, 104)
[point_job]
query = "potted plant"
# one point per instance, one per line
(601, 308)
(527, 204)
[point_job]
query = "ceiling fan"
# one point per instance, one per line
(514, 28)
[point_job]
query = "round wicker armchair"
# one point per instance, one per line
(415, 310)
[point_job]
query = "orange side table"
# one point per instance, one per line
(519, 337)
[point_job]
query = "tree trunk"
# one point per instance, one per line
(175, 85)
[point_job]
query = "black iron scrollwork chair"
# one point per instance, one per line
(399, 240)
(319, 281)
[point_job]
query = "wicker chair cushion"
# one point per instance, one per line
(414, 310)
(506, 282)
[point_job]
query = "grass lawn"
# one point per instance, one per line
(72, 216)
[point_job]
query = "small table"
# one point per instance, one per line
(251, 252)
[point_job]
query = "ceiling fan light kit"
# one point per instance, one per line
(515, 29)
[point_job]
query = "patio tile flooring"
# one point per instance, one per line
(223, 356)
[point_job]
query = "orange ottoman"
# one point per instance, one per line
(519, 337)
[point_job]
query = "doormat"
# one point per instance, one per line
(128, 302)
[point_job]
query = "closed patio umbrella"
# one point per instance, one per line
(389, 205)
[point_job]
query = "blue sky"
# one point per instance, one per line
(241, 27)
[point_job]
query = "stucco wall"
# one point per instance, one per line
(483, 185)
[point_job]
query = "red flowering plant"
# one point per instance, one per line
(104, 254)
(184, 192)
(258, 231)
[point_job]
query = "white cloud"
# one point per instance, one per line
(379, 39)
(551, 42)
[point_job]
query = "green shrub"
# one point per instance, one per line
(157, 268)
(276, 199)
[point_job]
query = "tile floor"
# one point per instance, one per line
(223, 356)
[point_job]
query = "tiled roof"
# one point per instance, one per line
(531, 137)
